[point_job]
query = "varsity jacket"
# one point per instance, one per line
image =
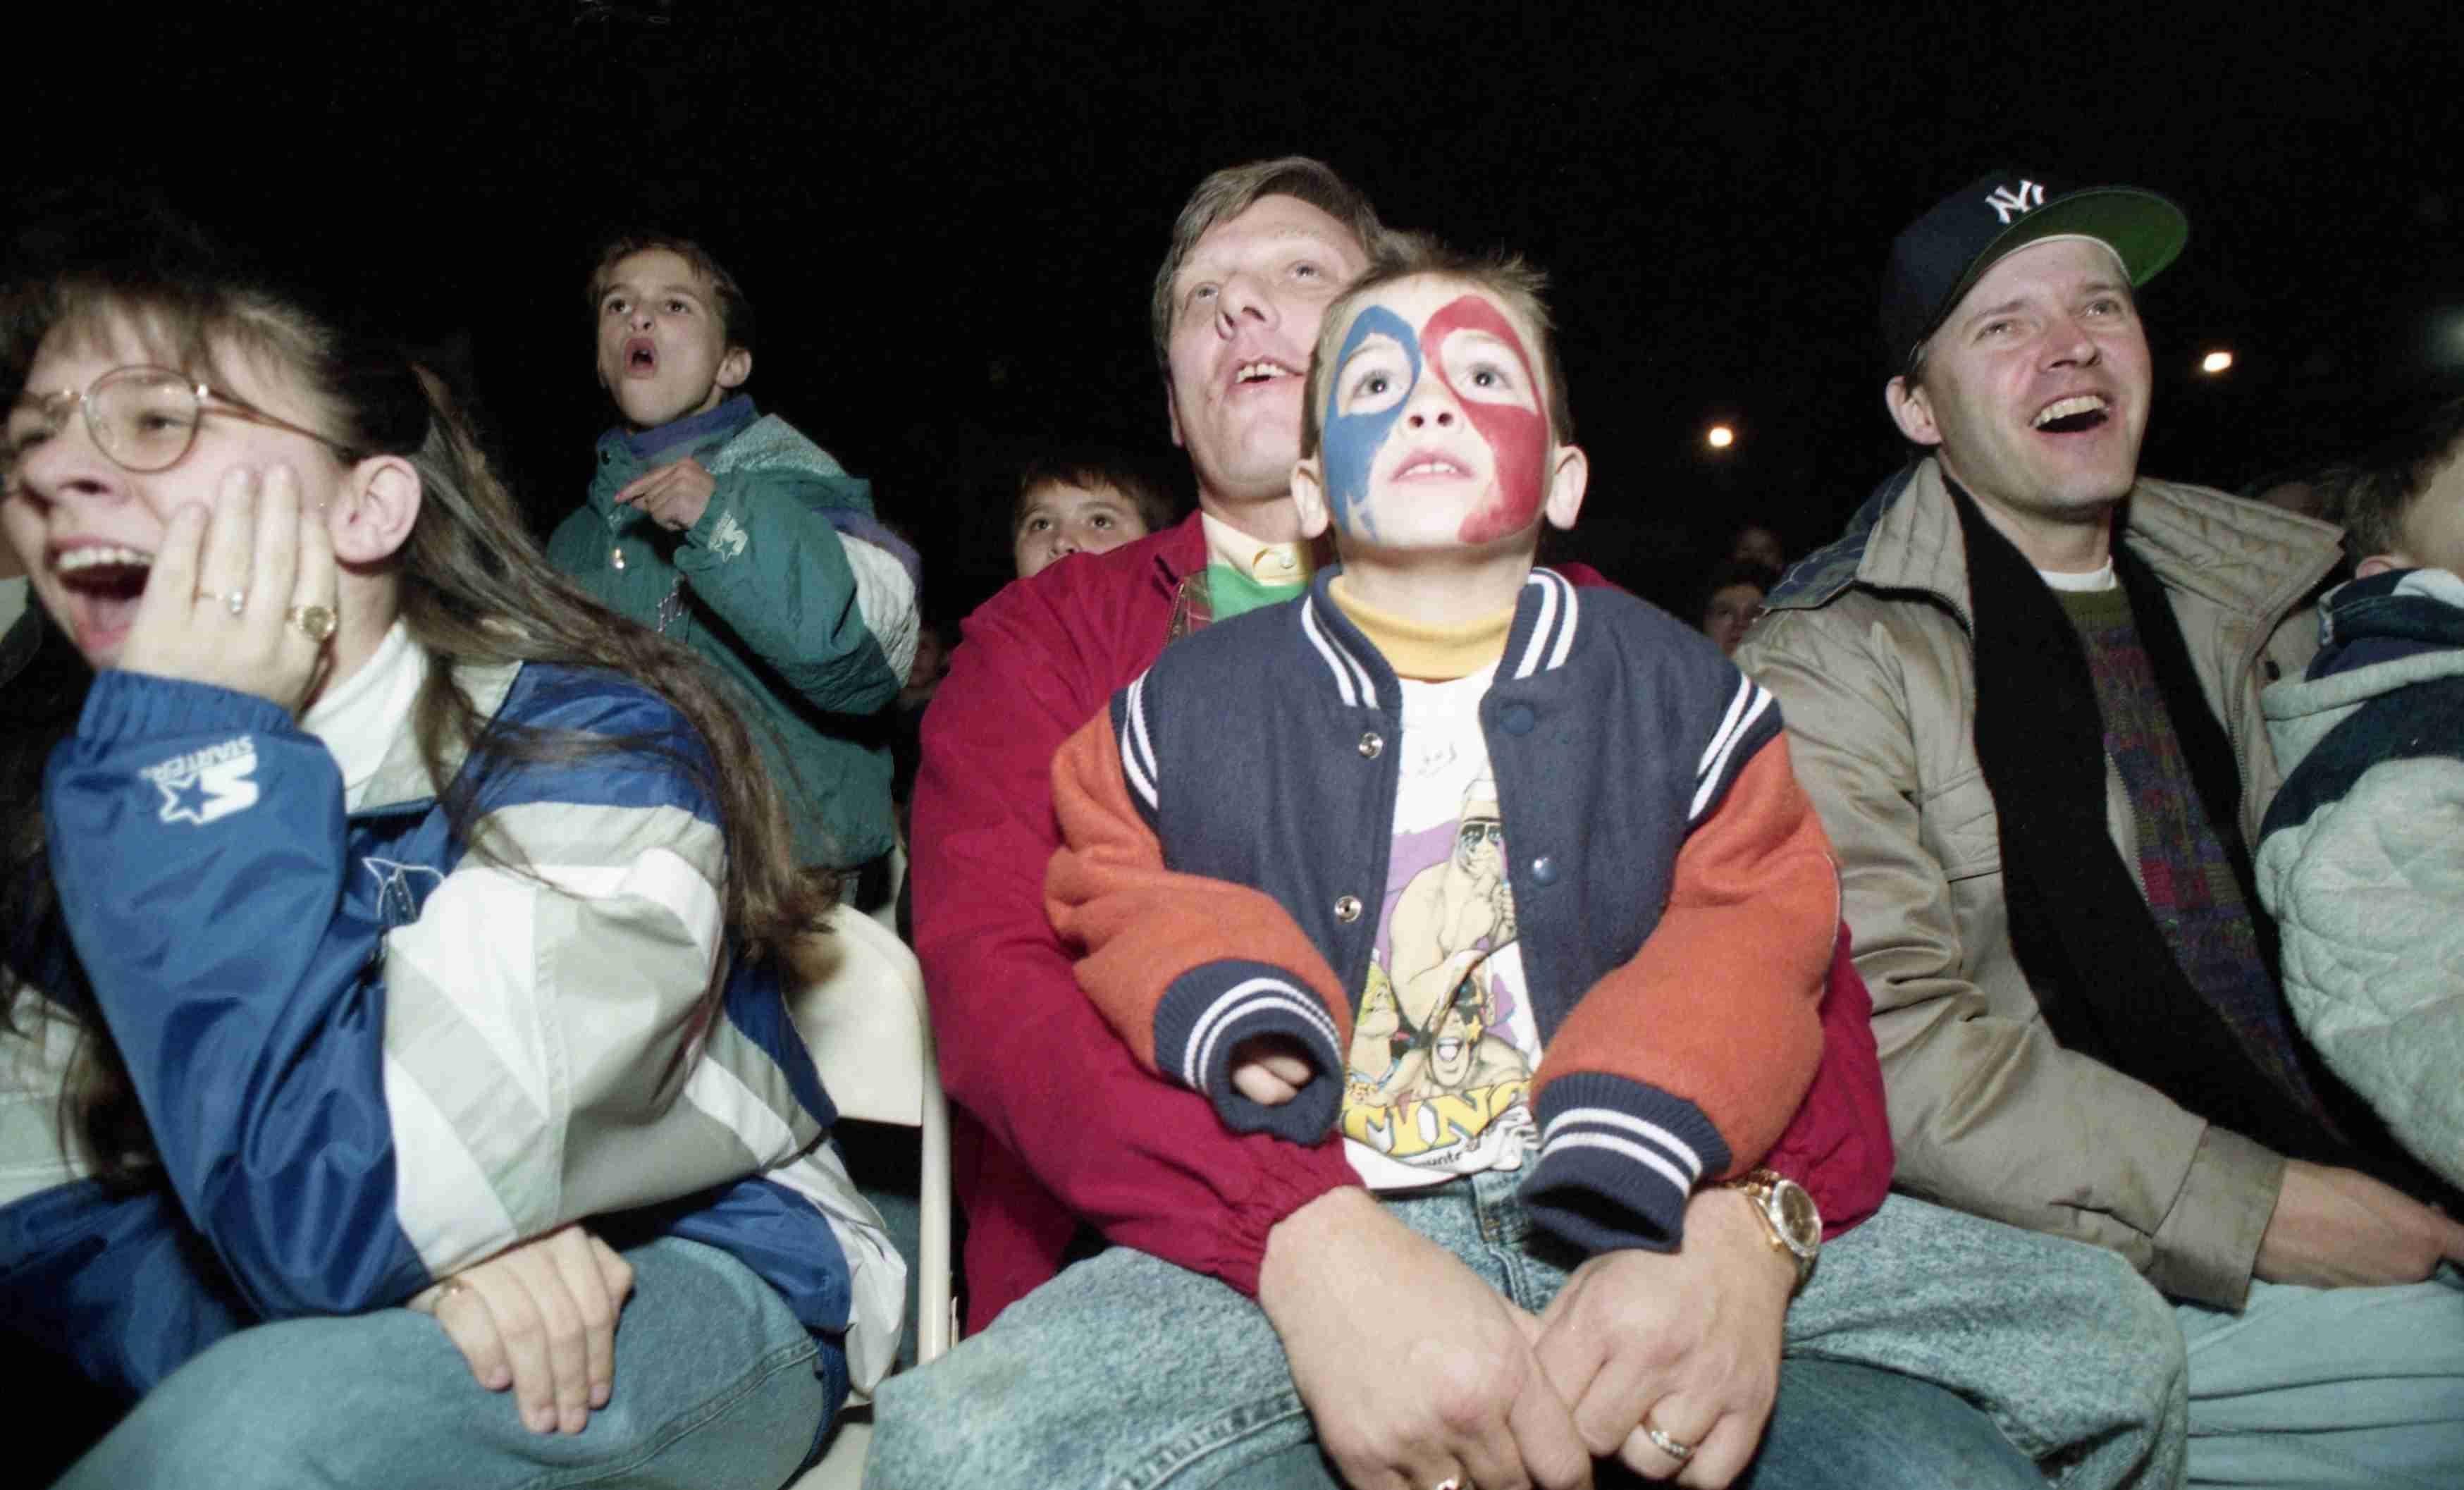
(2362, 861)
(788, 585)
(1066, 1128)
(368, 1059)
(1867, 645)
(1675, 903)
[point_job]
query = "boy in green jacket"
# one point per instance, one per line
(736, 536)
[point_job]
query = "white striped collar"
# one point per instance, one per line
(1549, 599)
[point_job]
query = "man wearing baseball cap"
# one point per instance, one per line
(2024, 692)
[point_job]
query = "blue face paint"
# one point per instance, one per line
(1348, 443)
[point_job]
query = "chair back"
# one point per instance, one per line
(858, 999)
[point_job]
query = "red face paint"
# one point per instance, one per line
(1518, 438)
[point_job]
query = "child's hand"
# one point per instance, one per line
(674, 496)
(1271, 1070)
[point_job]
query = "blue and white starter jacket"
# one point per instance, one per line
(369, 1058)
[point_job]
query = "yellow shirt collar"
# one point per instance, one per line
(1264, 563)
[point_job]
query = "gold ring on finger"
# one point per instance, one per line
(1679, 1452)
(316, 623)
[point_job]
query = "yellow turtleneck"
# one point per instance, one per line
(1419, 650)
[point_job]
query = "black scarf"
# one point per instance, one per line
(2103, 974)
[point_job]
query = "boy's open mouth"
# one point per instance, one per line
(1431, 466)
(2074, 415)
(641, 355)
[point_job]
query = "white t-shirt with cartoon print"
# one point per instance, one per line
(1444, 1042)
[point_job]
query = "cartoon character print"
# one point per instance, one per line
(1435, 1080)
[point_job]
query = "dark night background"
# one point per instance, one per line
(947, 216)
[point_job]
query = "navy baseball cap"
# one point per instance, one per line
(1940, 256)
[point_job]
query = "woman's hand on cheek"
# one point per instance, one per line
(236, 592)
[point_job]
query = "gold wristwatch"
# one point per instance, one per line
(1788, 1214)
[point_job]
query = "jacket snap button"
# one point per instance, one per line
(1348, 910)
(1370, 745)
(1545, 869)
(1518, 719)
(616, 557)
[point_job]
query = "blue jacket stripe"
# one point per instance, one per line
(1750, 703)
(1602, 1127)
(1346, 670)
(1137, 750)
(1571, 600)
(1552, 596)
(1244, 997)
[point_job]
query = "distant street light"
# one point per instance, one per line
(2216, 362)
(1720, 437)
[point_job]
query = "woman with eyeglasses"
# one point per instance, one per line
(395, 1085)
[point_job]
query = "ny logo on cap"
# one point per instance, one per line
(2004, 202)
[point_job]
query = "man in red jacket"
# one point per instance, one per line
(1259, 1313)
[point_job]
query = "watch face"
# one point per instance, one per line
(1799, 1220)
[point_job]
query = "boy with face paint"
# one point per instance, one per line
(1239, 876)
(1432, 450)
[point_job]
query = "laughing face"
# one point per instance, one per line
(662, 354)
(1246, 304)
(2035, 389)
(1436, 434)
(86, 528)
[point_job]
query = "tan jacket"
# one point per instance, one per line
(1868, 647)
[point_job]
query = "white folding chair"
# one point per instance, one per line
(859, 1003)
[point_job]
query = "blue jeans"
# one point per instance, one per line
(1130, 1374)
(2330, 1387)
(718, 1385)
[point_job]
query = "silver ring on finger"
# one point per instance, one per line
(316, 623)
(233, 601)
(1452, 1482)
(1679, 1452)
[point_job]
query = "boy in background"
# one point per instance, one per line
(2360, 859)
(734, 533)
(1089, 501)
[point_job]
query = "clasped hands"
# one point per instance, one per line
(1417, 1371)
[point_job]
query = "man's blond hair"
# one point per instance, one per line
(1235, 189)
